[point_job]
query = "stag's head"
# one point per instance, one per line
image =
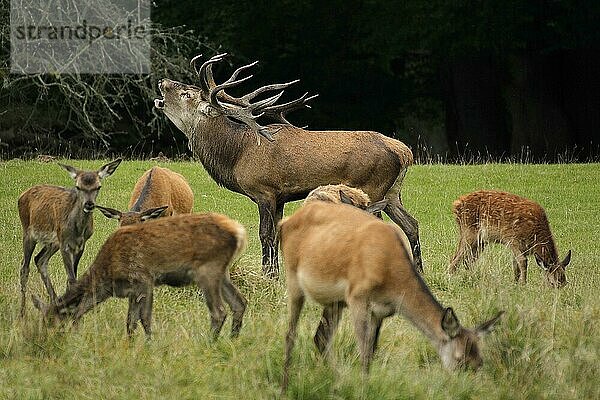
(190, 106)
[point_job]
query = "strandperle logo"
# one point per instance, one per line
(84, 31)
(80, 36)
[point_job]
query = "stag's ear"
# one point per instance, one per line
(488, 326)
(539, 261)
(109, 168)
(153, 213)
(110, 212)
(450, 323)
(567, 260)
(345, 199)
(71, 170)
(377, 206)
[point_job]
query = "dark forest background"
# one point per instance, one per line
(513, 79)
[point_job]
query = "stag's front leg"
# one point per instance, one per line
(269, 214)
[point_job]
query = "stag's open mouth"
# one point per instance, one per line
(159, 103)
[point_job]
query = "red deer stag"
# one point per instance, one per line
(59, 218)
(158, 192)
(194, 248)
(489, 216)
(340, 257)
(222, 132)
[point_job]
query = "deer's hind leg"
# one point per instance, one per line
(209, 278)
(236, 302)
(28, 248)
(41, 262)
(328, 325)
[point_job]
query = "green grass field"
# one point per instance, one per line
(547, 345)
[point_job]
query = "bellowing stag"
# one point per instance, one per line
(222, 131)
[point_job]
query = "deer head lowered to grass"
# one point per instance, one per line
(340, 256)
(222, 132)
(177, 251)
(158, 192)
(59, 218)
(490, 216)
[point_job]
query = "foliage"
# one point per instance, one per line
(547, 345)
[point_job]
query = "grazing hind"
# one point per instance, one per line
(176, 251)
(340, 256)
(489, 216)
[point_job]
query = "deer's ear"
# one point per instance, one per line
(377, 206)
(539, 261)
(567, 260)
(71, 170)
(450, 323)
(345, 199)
(109, 168)
(488, 326)
(110, 212)
(153, 213)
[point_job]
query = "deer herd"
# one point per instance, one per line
(337, 249)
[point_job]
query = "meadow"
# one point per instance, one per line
(547, 345)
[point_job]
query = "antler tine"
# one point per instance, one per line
(263, 104)
(230, 82)
(205, 70)
(267, 88)
(279, 111)
(225, 85)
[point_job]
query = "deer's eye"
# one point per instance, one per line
(185, 95)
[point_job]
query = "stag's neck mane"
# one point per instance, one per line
(219, 145)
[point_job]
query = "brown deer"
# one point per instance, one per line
(340, 257)
(177, 251)
(222, 132)
(342, 194)
(490, 216)
(158, 192)
(59, 218)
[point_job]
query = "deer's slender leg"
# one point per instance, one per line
(146, 311)
(268, 214)
(214, 301)
(236, 302)
(76, 260)
(519, 266)
(133, 314)
(365, 327)
(410, 226)
(28, 248)
(295, 304)
(68, 257)
(328, 325)
(41, 262)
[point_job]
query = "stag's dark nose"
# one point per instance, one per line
(88, 206)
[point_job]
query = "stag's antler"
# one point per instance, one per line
(242, 108)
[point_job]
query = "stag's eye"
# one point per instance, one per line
(185, 95)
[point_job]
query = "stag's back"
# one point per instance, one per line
(503, 217)
(160, 186)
